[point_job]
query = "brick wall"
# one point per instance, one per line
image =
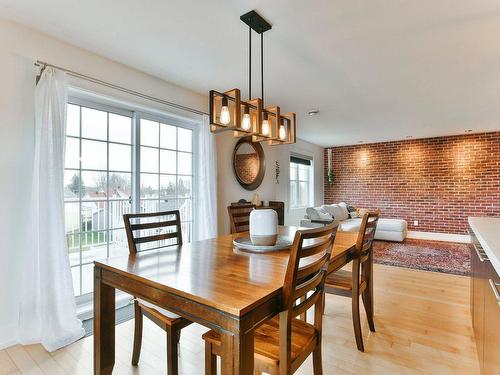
(437, 181)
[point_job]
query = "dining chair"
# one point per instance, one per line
(283, 343)
(358, 281)
(239, 217)
(160, 229)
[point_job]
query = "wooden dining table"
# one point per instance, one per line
(208, 282)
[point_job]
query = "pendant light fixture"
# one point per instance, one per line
(244, 118)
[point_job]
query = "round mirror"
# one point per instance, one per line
(248, 163)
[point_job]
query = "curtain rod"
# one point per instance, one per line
(43, 64)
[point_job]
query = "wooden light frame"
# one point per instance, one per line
(255, 106)
(291, 127)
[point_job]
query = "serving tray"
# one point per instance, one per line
(245, 244)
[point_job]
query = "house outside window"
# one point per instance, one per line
(301, 181)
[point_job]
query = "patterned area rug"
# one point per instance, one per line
(437, 256)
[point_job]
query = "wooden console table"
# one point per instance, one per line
(277, 206)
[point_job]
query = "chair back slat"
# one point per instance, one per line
(239, 217)
(366, 233)
(308, 285)
(157, 237)
(309, 302)
(307, 267)
(159, 226)
(311, 268)
(315, 248)
(152, 225)
(364, 246)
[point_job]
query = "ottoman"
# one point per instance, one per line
(387, 229)
(391, 230)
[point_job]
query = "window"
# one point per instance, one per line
(166, 167)
(102, 167)
(301, 177)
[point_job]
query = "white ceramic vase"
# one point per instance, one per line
(264, 227)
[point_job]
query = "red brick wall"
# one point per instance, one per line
(437, 181)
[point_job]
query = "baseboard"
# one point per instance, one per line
(7, 336)
(448, 237)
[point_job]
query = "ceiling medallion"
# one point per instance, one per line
(245, 118)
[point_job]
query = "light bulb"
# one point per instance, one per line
(265, 127)
(225, 117)
(245, 124)
(282, 132)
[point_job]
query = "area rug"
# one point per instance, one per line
(437, 256)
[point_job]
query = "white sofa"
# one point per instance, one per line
(387, 229)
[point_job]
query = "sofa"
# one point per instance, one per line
(349, 219)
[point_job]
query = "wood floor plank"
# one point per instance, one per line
(423, 327)
(24, 363)
(44, 360)
(7, 366)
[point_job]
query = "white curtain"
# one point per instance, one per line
(205, 207)
(48, 310)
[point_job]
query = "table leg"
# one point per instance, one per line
(238, 354)
(104, 326)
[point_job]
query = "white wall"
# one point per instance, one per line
(19, 48)
(229, 189)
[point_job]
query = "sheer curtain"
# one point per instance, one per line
(48, 309)
(205, 208)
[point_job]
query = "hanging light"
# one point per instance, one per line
(251, 117)
(225, 117)
(246, 124)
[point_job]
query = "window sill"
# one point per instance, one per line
(299, 208)
(85, 309)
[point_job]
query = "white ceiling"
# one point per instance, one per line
(377, 69)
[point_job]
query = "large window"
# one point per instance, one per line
(301, 177)
(103, 166)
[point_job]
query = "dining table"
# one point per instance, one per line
(209, 282)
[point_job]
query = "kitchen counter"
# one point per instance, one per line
(485, 291)
(487, 231)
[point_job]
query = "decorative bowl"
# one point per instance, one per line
(246, 245)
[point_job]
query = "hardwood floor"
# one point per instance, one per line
(422, 319)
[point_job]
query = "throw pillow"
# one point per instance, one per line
(312, 213)
(351, 208)
(335, 211)
(323, 214)
(345, 211)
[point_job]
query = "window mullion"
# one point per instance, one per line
(136, 163)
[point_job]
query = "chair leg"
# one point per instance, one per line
(172, 352)
(368, 293)
(137, 333)
(356, 321)
(367, 302)
(210, 360)
(317, 361)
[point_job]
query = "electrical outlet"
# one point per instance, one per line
(415, 222)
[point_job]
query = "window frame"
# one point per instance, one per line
(296, 179)
(136, 113)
